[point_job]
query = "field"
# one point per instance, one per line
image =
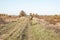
(26, 29)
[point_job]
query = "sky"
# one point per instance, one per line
(41, 7)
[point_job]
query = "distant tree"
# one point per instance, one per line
(56, 16)
(37, 15)
(31, 16)
(22, 13)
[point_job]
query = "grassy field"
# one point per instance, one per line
(24, 29)
(38, 32)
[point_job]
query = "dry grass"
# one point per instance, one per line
(38, 32)
(34, 31)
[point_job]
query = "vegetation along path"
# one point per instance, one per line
(14, 30)
(26, 28)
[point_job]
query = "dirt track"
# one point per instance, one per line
(15, 31)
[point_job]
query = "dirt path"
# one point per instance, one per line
(16, 31)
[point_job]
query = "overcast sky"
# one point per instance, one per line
(42, 7)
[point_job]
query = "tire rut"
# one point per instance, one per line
(23, 34)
